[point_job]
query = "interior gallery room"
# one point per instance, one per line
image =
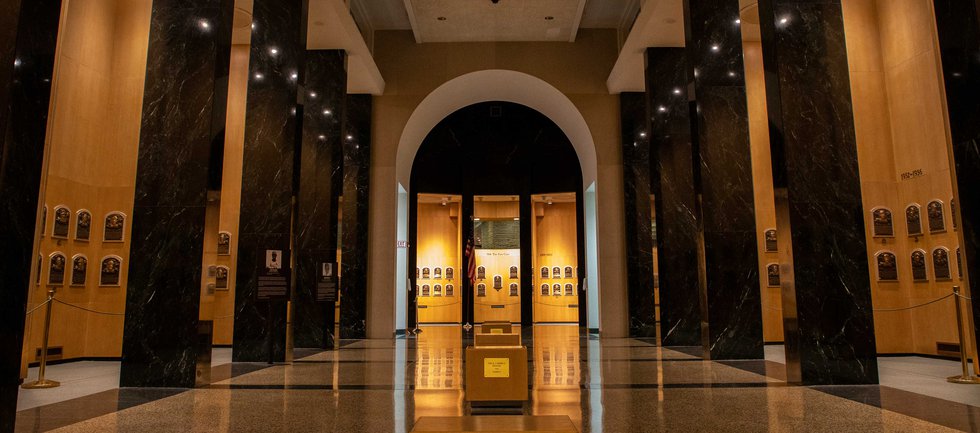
(421, 216)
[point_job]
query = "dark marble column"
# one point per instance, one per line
(268, 174)
(354, 241)
(28, 38)
(730, 296)
(639, 240)
(672, 184)
(815, 172)
(187, 63)
(320, 184)
(958, 24)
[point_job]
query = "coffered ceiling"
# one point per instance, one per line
(483, 20)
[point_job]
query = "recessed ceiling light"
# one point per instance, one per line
(549, 18)
(441, 18)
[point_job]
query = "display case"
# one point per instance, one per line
(496, 241)
(439, 251)
(554, 242)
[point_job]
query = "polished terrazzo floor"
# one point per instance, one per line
(608, 385)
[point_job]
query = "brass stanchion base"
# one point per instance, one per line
(41, 384)
(964, 380)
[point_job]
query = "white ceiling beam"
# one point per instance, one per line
(410, 9)
(578, 20)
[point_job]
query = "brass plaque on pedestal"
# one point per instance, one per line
(496, 374)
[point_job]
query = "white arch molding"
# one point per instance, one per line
(507, 86)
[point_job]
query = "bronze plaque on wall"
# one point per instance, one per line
(62, 219)
(224, 244)
(568, 272)
(450, 289)
(556, 289)
(437, 273)
(887, 266)
(114, 223)
(569, 290)
(425, 273)
(544, 272)
(773, 275)
(437, 290)
(545, 290)
(940, 263)
(919, 271)
(221, 278)
(556, 272)
(83, 225)
(79, 270)
(109, 275)
(498, 282)
(772, 243)
(425, 290)
(481, 290)
(937, 220)
(481, 273)
(56, 269)
(449, 273)
(513, 289)
(883, 224)
(913, 219)
(513, 273)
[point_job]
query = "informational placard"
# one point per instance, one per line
(273, 275)
(326, 283)
(496, 367)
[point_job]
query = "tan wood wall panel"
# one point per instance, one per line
(554, 244)
(439, 246)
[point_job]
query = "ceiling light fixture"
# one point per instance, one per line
(441, 18)
(549, 18)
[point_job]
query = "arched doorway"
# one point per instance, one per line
(505, 86)
(506, 179)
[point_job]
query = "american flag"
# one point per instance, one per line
(470, 262)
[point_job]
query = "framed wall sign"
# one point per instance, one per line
(772, 270)
(79, 270)
(882, 222)
(772, 243)
(940, 264)
(62, 221)
(913, 219)
(221, 278)
(115, 222)
(224, 244)
(109, 272)
(887, 266)
(83, 225)
(56, 269)
(937, 217)
(919, 270)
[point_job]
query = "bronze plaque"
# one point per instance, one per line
(221, 278)
(772, 243)
(56, 269)
(940, 264)
(913, 219)
(437, 272)
(773, 275)
(556, 289)
(937, 219)
(62, 219)
(544, 272)
(545, 289)
(568, 272)
(83, 225)
(569, 290)
(425, 273)
(514, 289)
(109, 275)
(498, 282)
(887, 266)
(513, 273)
(481, 290)
(450, 290)
(481, 273)
(556, 272)
(425, 290)
(79, 270)
(114, 223)
(449, 273)
(919, 271)
(883, 225)
(437, 290)
(224, 244)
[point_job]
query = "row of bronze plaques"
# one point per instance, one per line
(481, 289)
(436, 273)
(887, 265)
(556, 290)
(435, 290)
(113, 226)
(57, 270)
(883, 224)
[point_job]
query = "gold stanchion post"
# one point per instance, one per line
(41, 382)
(967, 377)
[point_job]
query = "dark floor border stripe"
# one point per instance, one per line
(591, 387)
(946, 413)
